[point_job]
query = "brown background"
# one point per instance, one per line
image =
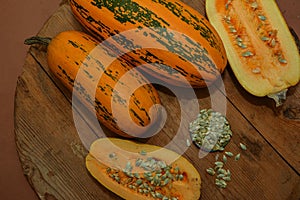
(19, 20)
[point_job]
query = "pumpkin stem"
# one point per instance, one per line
(38, 40)
(279, 97)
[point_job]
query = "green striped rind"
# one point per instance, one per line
(187, 50)
(103, 89)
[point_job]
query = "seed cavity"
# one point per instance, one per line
(157, 175)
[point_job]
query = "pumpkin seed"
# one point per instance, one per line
(224, 159)
(264, 38)
(220, 175)
(238, 39)
(165, 198)
(219, 164)
(188, 143)
(158, 195)
(232, 30)
(130, 186)
(273, 42)
(237, 157)
(153, 194)
(254, 5)
(210, 171)
(226, 178)
(166, 181)
(261, 17)
(242, 45)
(282, 60)
(221, 171)
(220, 183)
(247, 54)
(117, 178)
(228, 153)
(145, 191)
(139, 181)
(217, 157)
(181, 177)
(138, 162)
(243, 147)
(256, 70)
(227, 19)
(228, 172)
(143, 152)
(112, 155)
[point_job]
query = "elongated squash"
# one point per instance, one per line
(260, 48)
(124, 100)
(178, 43)
(140, 171)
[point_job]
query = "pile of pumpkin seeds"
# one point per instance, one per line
(223, 176)
(156, 174)
(210, 130)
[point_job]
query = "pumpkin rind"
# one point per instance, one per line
(188, 47)
(260, 48)
(99, 160)
(70, 51)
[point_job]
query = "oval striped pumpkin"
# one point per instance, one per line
(175, 41)
(124, 100)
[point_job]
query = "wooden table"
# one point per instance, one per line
(52, 154)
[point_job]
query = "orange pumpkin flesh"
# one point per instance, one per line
(260, 48)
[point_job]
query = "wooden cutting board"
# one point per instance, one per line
(52, 153)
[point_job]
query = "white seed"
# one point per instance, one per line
(282, 60)
(254, 5)
(264, 38)
(217, 157)
(247, 54)
(188, 143)
(226, 178)
(243, 147)
(256, 70)
(221, 175)
(261, 17)
(229, 153)
(210, 171)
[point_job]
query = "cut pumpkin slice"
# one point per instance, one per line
(141, 171)
(260, 48)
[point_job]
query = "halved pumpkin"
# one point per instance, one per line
(260, 48)
(141, 171)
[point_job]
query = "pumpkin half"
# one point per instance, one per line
(141, 171)
(260, 48)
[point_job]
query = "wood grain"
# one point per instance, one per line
(52, 153)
